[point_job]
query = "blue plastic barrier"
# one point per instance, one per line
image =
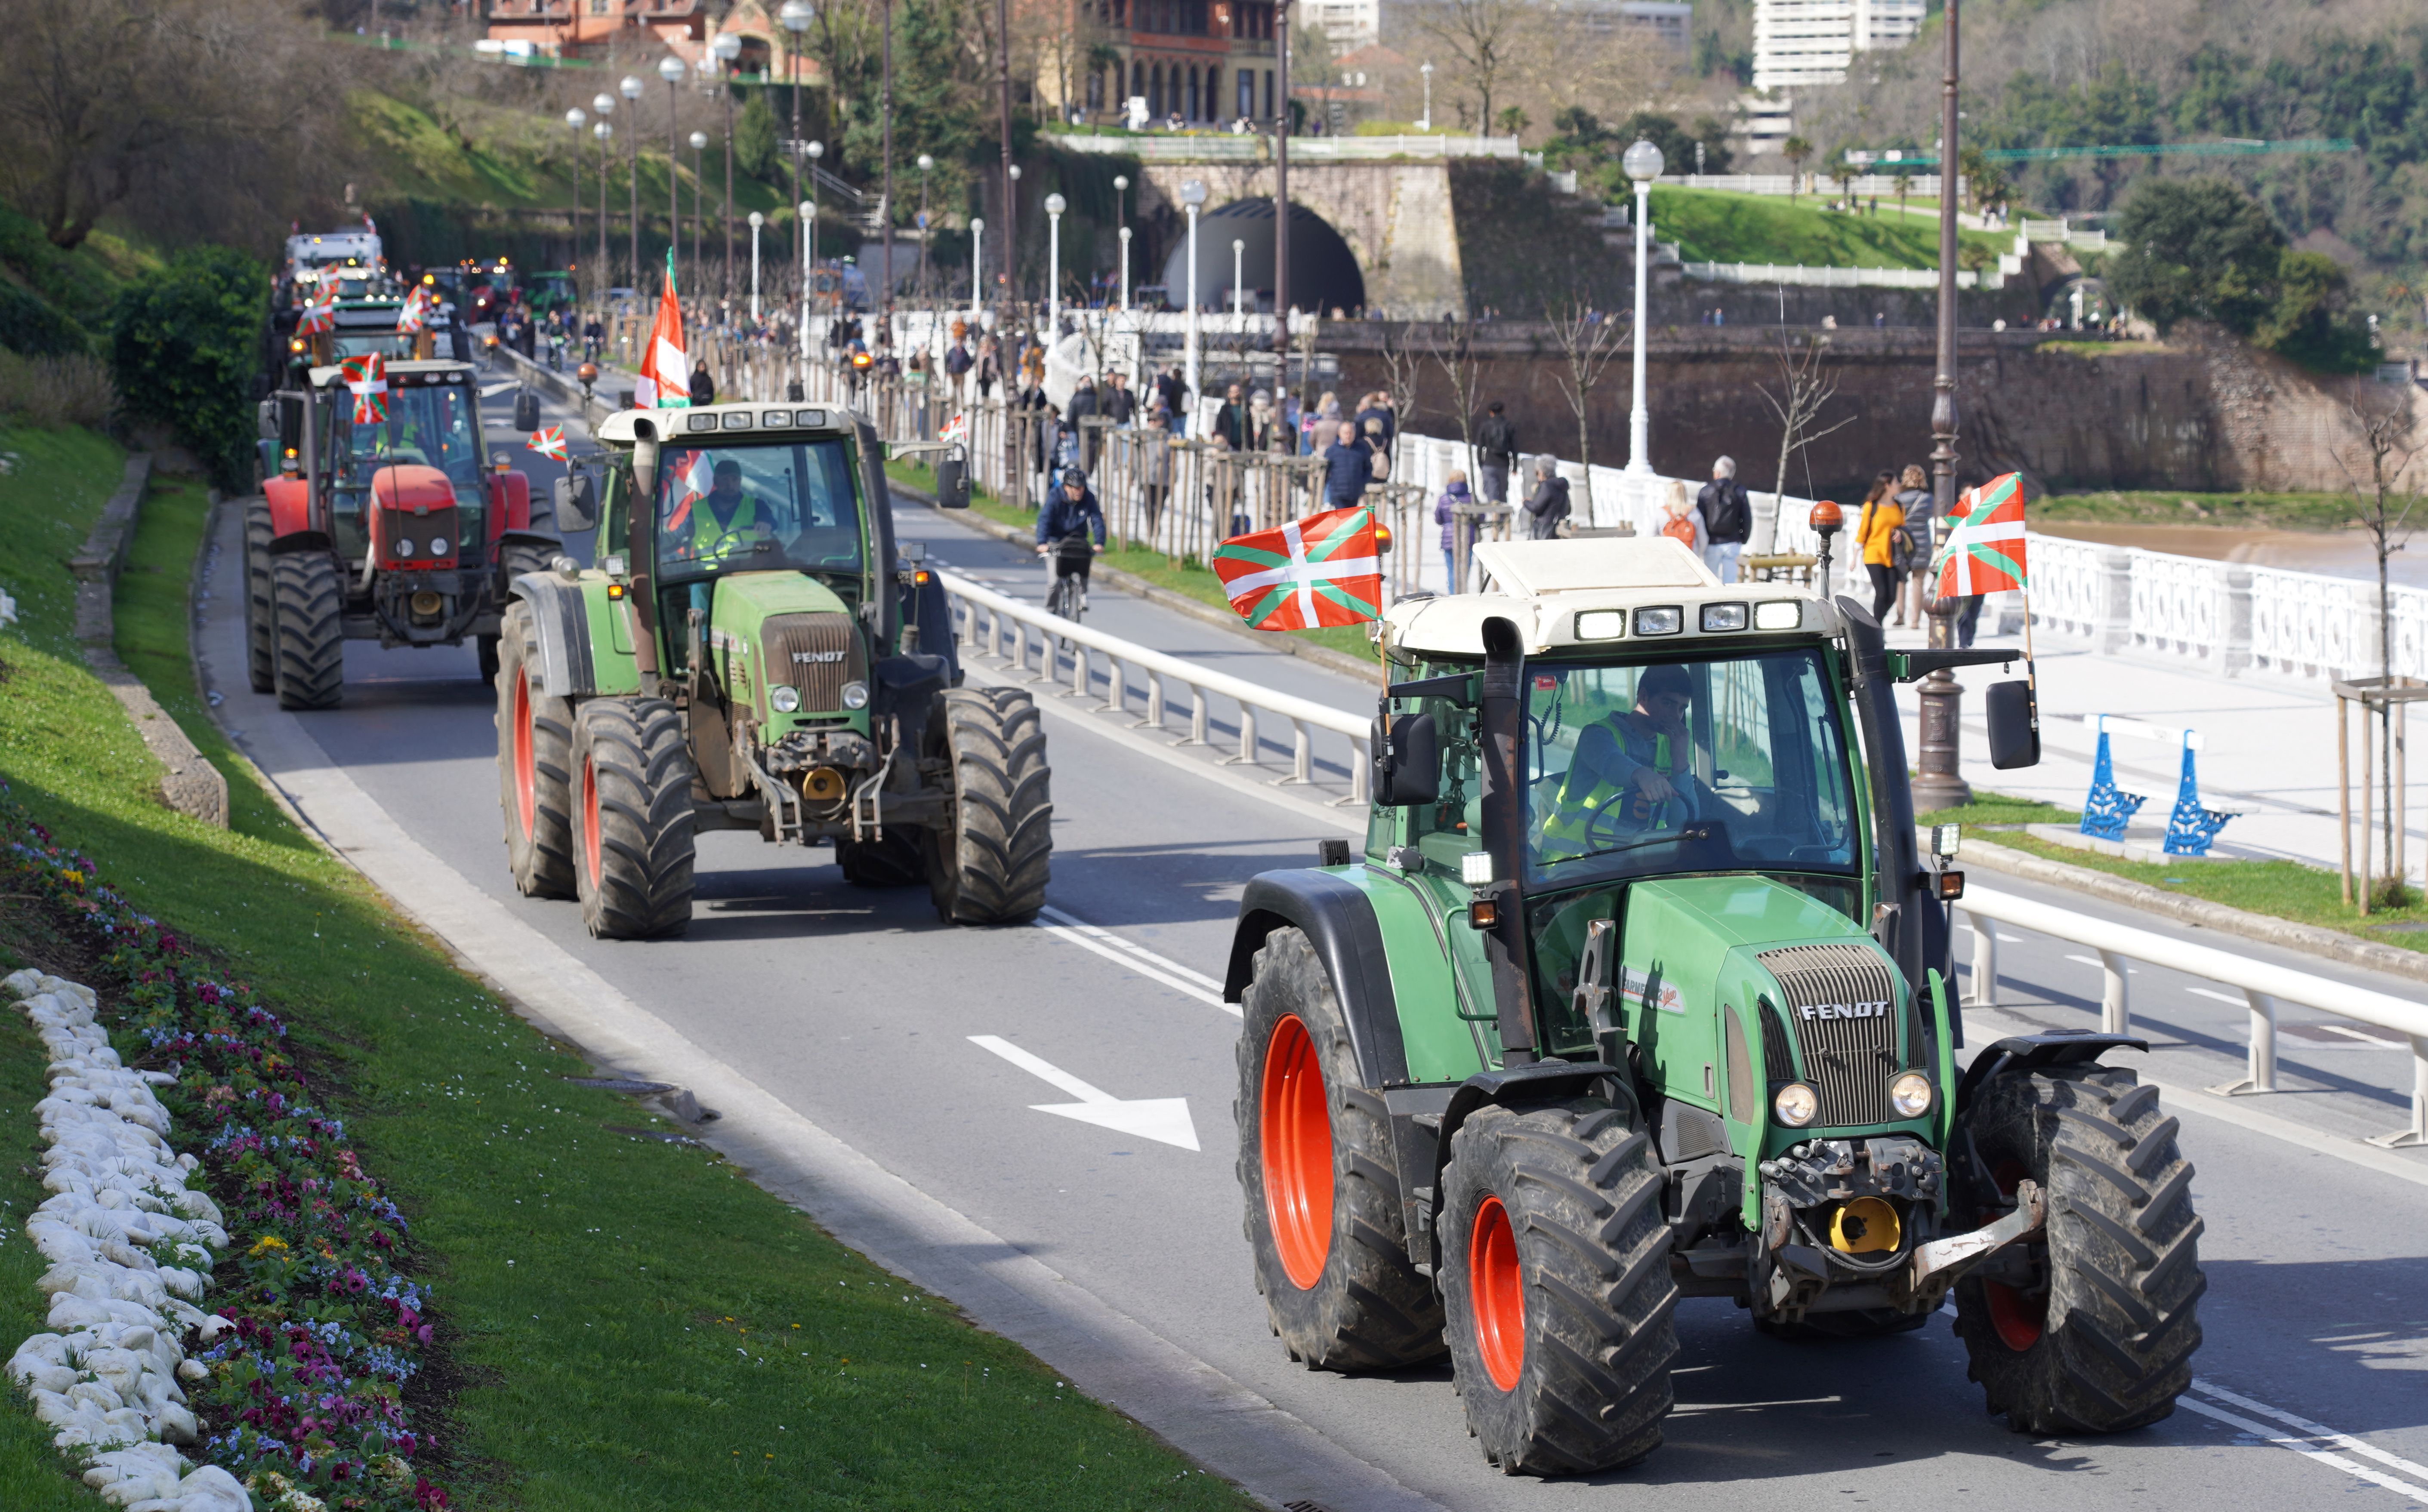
(2108, 809)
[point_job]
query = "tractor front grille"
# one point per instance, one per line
(1841, 1001)
(815, 652)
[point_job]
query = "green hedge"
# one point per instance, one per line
(31, 328)
(184, 346)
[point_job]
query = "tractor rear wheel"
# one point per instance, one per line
(260, 640)
(898, 860)
(307, 597)
(1324, 1216)
(2104, 1341)
(631, 818)
(534, 765)
(993, 852)
(1555, 1277)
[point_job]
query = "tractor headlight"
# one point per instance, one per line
(1910, 1095)
(786, 700)
(1796, 1105)
(855, 695)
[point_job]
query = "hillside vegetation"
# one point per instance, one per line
(1712, 225)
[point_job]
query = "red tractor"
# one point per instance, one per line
(394, 530)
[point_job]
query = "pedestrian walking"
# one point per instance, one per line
(989, 370)
(1155, 467)
(1348, 467)
(1086, 404)
(1879, 531)
(1496, 451)
(1728, 519)
(1316, 427)
(1455, 531)
(1682, 519)
(1548, 506)
(1120, 405)
(1231, 420)
(703, 387)
(1915, 501)
(1174, 390)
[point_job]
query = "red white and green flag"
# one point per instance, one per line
(366, 377)
(549, 443)
(1321, 570)
(319, 315)
(665, 370)
(414, 314)
(1984, 553)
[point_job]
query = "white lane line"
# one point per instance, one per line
(1133, 958)
(1108, 937)
(2092, 960)
(2241, 1002)
(1165, 1119)
(2306, 1450)
(2342, 1441)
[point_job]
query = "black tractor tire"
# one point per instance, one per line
(308, 598)
(995, 850)
(485, 657)
(1561, 1314)
(632, 836)
(260, 612)
(1324, 1218)
(897, 860)
(2107, 1346)
(534, 765)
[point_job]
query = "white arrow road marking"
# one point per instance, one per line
(1164, 1119)
(490, 391)
(1138, 958)
(2305, 1446)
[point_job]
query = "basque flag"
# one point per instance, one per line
(319, 315)
(549, 443)
(366, 377)
(1321, 570)
(1984, 553)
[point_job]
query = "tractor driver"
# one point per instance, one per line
(1638, 763)
(725, 521)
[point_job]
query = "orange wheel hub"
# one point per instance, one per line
(526, 771)
(590, 820)
(1500, 1294)
(2018, 1320)
(1294, 1134)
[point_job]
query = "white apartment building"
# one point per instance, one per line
(1800, 42)
(1348, 25)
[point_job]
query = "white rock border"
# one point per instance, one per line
(106, 1378)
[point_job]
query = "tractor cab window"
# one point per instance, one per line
(434, 425)
(756, 507)
(1730, 764)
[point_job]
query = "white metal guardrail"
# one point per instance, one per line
(1027, 624)
(2262, 983)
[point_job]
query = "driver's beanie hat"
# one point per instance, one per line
(729, 468)
(1661, 681)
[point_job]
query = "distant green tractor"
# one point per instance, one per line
(752, 652)
(1640, 990)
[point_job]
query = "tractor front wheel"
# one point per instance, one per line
(1555, 1276)
(307, 596)
(2102, 1340)
(1324, 1216)
(534, 765)
(992, 852)
(631, 818)
(260, 613)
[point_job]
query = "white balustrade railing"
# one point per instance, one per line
(1797, 275)
(988, 621)
(2263, 983)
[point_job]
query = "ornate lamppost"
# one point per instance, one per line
(1937, 781)
(1643, 165)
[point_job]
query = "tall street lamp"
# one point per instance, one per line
(1281, 200)
(1239, 257)
(1192, 196)
(926, 164)
(671, 69)
(978, 268)
(576, 119)
(1939, 782)
(605, 134)
(885, 188)
(698, 200)
(796, 16)
(1120, 200)
(1055, 205)
(1425, 122)
(1643, 164)
(631, 88)
(1125, 267)
(808, 213)
(727, 47)
(756, 222)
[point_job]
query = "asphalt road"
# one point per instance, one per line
(862, 1011)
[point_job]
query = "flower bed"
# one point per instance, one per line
(297, 1388)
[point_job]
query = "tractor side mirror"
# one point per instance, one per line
(1407, 760)
(576, 508)
(265, 420)
(953, 483)
(2014, 713)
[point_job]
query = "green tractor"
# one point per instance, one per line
(752, 652)
(1640, 991)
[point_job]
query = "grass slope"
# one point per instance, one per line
(1718, 226)
(648, 1329)
(1188, 576)
(2272, 511)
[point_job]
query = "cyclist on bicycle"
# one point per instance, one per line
(1063, 525)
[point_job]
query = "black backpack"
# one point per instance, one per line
(1730, 515)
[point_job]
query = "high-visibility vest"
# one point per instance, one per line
(1566, 832)
(706, 532)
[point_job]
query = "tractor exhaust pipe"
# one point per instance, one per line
(1501, 724)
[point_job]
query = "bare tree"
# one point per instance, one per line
(2381, 506)
(1806, 386)
(1451, 343)
(1402, 361)
(1481, 38)
(1589, 341)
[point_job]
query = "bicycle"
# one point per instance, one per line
(1068, 598)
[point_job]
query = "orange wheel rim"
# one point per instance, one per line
(590, 820)
(526, 776)
(1500, 1294)
(1294, 1136)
